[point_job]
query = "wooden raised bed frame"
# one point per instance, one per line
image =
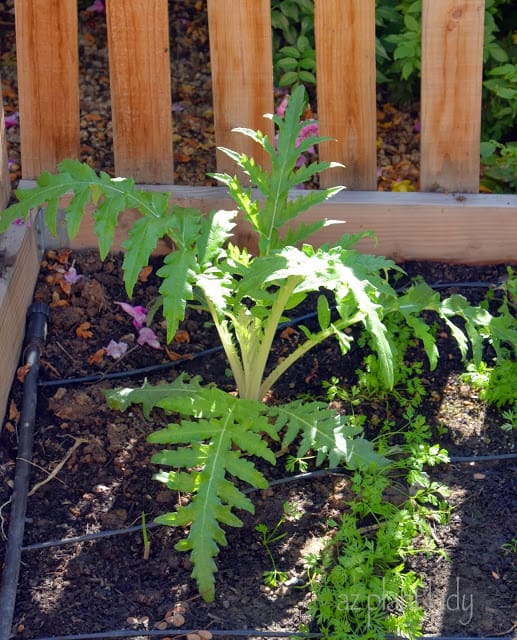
(447, 221)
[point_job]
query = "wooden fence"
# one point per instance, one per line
(241, 61)
(475, 228)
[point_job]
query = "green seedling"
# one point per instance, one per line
(268, 537)
(510, 547)
(145, 538)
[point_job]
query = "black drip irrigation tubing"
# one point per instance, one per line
(156, 368)
(37, 319)
(108, 533)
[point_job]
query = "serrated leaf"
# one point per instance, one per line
(184, 457)
(153, 395)
(212, 448)
(323, 430)
(106, 220)
(142, 239)
(422, 331)
(372, 314)
(214, 234)
(178, 274)
(323, 310)
(50, 188)
(75, 210)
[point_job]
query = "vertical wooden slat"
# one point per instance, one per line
(452, 66)
(48, 83)
(140, 78)
(345, 71)
(5, 183)
(242, 74)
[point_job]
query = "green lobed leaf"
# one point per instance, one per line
(322, 430)
(141, 241)
(153, 395)
(106, 221)
(50, 188)
(214, 233)
(323, 310)
(211, 448)
(178, 275)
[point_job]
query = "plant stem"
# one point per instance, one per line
(229, 347)
(255, 349)
(302, 349)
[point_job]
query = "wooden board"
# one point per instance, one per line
(452, 65)
(345, 58)
(5, 183)
(16, 292)
(140, 78)
(471, 229)
(454, 228)
(242, 74)
(48, 83)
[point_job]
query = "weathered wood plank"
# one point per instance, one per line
(16, 293)
(140, 78)
(470, 229)
(242, 74)
(48, 83)
(452, 59)
(345, 58)
(461, 228)
(5, 183)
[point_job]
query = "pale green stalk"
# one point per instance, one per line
(255, 359)
(229, 347)
(302, 349)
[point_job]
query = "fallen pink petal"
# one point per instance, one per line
(147, 336)
(96, 7)
(138, 313)
(12, 121)
(71, 276)
(116, 349)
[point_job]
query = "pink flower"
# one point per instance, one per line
(71, 276)
(96, 7)
(12, 120)
(138, 313)
(116, 349)
(147, 336)
(280, 110)
(309, 130)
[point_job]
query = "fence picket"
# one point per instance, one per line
(452, 68)
(345, 59)
(48, 83)
(139, 61)
(242, 73)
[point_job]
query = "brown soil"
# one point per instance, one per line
(106, 483)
